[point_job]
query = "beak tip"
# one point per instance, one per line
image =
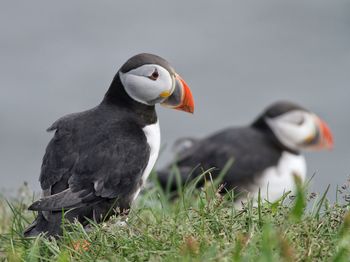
(190, 106)
(186, 108)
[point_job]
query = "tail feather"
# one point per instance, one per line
(41, 225)
(62, 200)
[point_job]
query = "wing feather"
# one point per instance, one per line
(83, 164)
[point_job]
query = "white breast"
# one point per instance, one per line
(152, 133)
(275, 181)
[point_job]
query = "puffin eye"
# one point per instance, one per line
(154, 76)
(301, 121)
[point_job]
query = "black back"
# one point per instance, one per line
(251, 149)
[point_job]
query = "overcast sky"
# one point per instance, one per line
(59, 57)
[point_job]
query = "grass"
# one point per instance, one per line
(201, 225)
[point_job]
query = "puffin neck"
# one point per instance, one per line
(117, 96)
(261, 125)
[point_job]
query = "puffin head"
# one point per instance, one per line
(149, 80)
(295, 127)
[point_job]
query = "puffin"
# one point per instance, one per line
(98, 160)
(264, 156)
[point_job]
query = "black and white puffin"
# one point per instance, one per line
(266, 154)
(98, 159)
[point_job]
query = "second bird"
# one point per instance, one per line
(266, 154)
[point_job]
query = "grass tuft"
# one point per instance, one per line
(200, 225)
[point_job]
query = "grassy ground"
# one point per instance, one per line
(199, 226)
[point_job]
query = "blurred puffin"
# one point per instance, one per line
(98, 159)
(265, 154)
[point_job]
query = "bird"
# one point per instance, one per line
(98, 160)
(265, 156)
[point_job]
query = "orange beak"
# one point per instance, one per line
(181, 98)
(326, 135)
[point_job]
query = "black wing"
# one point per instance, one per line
(251, 151)
(86, 165)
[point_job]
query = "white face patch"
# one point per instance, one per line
(293, 128)
(139, 86)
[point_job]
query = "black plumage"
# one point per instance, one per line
(251, 151)
(95, 160)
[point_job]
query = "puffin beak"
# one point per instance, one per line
(322, 139)
(326, 137)
(181, 98)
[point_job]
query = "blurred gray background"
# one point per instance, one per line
(58, 57)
